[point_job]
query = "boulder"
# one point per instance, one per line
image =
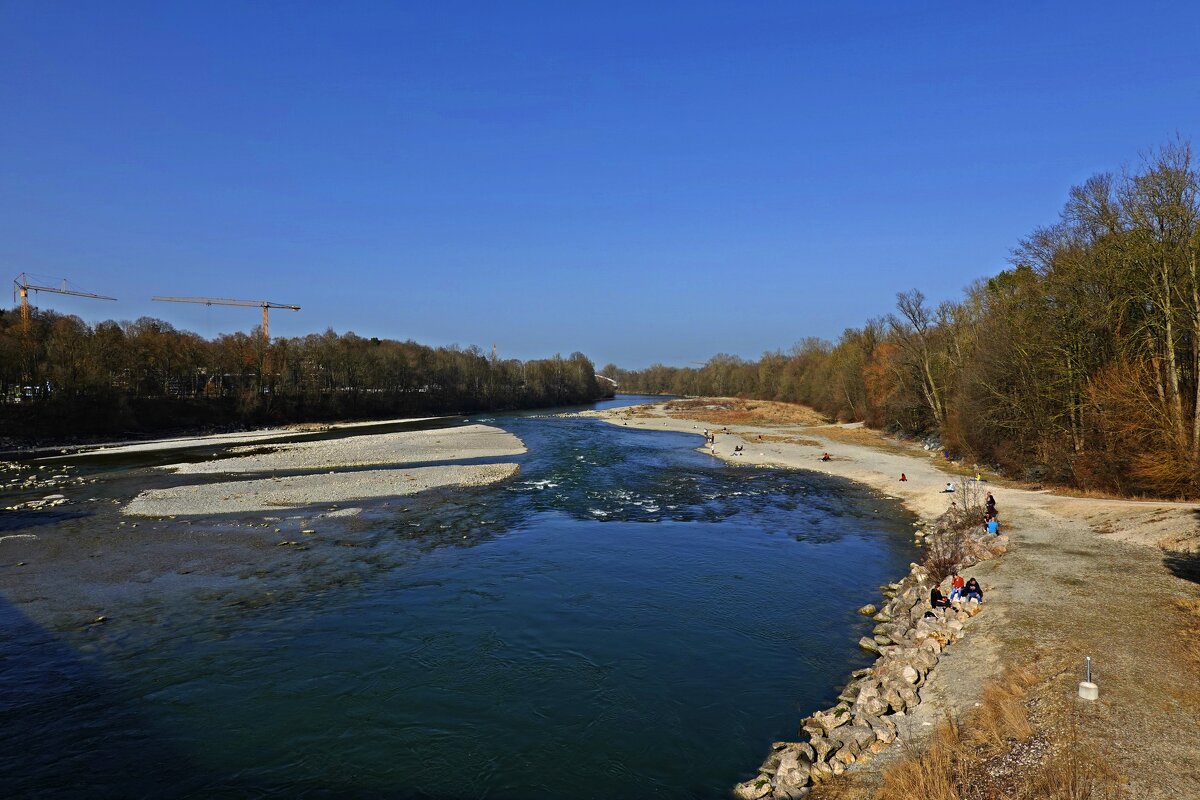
(845, 757)
(868, 610)
(931, 645)
(868, 644)
(754, 789)
(792, 793)
(870, 706)
(821, 748)
(879, 746)
(793, 772)
(828, 720)
(820, 771)
(856, 737)
(924, 659)
(893, 699)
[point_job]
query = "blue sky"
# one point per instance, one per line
(640, 181)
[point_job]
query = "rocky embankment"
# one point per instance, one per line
(909, 639)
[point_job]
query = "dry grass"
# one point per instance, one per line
(724, 411)
(995, 754)
(1189, 632)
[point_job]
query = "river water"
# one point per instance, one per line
(626, 618)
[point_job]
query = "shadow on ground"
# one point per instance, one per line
(1183, 565)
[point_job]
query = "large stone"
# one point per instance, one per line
(868, 644)
(884, 730)
(754, 789)
(792, 793)
(893, 699)
(870, 706)
(924, 659)
(820, 771)
(879, 746)
(845, 756)
(821, 748)
(856, 737)
(793, 772)
(868, 610)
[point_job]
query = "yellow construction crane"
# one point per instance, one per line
(24, 287)
(217, 301)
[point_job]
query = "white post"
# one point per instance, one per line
(1087, 689)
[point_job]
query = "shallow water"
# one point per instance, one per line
(626, 618)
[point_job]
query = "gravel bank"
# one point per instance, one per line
(273, 494)
(402, 447)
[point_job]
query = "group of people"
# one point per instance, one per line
(990, 519)
(960, 591)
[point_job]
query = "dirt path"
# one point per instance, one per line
(1083, 577)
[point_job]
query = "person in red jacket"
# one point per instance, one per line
(956, 586)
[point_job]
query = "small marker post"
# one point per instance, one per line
(1087, 689)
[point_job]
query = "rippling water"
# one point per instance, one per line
(626, 618)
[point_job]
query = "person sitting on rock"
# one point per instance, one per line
(903, 477)
(956, 586)
(949, 487)
(993, 526)
(936, 599)
(825, 457)
(972, 591)
(991, 504)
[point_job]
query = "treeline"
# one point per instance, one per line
(1079, 365)
(63, 377)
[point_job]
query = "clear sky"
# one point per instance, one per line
(640, 181)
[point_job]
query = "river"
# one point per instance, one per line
(626, 618)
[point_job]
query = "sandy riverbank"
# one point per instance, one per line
(1083, 577)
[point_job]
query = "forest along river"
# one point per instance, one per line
(625, 618)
